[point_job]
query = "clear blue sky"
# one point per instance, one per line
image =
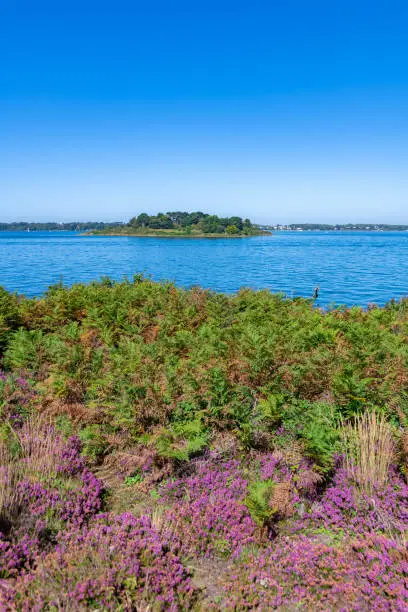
(282, 111)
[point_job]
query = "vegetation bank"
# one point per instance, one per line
(165, 449)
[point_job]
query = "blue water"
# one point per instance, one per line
(350, 267)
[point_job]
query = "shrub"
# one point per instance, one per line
(207, 509)
(304, 573)
(345, 506)
(115, 563)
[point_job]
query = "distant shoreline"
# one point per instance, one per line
(306, 227)
(260, 230)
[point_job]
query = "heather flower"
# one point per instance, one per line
(208, 510)
(344, 506)
(301, 572)
(114, 562)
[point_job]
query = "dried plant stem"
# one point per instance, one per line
(369, 450)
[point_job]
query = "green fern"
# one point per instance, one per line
(258, 501)
(270, 409)
(182, 441)
(9, 316)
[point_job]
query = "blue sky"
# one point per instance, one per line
(282, 111)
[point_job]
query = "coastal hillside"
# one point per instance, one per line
(170, 449)
(184, 224)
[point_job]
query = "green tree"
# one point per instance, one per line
(143, 220)
(237, 221)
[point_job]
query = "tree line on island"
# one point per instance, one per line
(184, 223)
(194, 222)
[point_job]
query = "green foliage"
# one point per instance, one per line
(176, 371)
(184, 412)
(223, 548)
(334, 536)
(93, 442)
(258, 501)
(320, 442)
(315, 424)
(64, 424)
(9, 316)
(183, 223)
(135, 479)
(9, 438)
(150, 357)
(25, 350)
(183, 441)
(271, 410)
(352, 391)
(73, 226)
(218, 390)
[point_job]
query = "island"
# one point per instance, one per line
(195, 224)
(184, 225)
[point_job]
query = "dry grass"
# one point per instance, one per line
(40, 446)
(7, 478)
(157, 519)
(36, 454)
(78, 413)
(369, 450)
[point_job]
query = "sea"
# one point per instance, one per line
(350, 268)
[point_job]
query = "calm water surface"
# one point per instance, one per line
(349, 267)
